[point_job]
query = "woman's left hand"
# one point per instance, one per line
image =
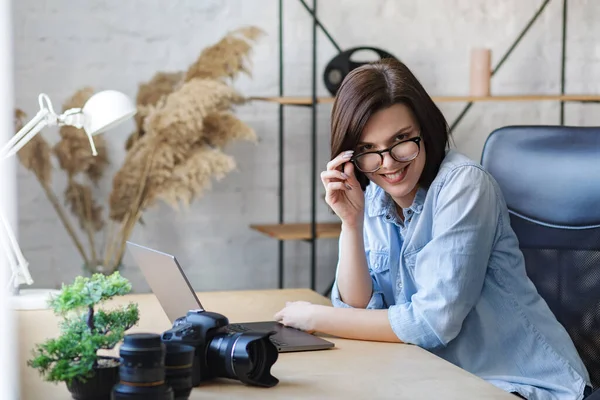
(299, 315)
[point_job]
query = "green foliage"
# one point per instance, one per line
(84, 330)
(85, 292)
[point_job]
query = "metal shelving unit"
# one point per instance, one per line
(312, 231)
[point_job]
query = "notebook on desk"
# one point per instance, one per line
(176, 296)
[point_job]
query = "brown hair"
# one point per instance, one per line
(379, 85)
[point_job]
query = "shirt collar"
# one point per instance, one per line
(379, 202)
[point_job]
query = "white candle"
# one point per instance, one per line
(481, 72)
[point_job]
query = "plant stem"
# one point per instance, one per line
(109, 243)
(125, 235)
(90, 324)
(135, 212)
(63, 218)
(87, 206)
(90, 319)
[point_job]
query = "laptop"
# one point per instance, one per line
(176, 296)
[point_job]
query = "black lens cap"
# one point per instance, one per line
(142, 341)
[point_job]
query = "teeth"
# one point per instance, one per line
(396, 175)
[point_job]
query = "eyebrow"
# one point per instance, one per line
(399, 131)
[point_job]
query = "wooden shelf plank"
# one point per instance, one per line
(445, 99)
(299, 231)
(298, 101)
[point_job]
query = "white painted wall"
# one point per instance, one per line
(62, 45)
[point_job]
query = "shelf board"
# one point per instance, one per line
(299, 231)
(298, 101)
(302, 101)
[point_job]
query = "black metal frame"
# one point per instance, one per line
(317, 24)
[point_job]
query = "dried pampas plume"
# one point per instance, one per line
(173, 129)
(80, 200)
(223, 127)
(126, 184)
(180, 118)
(150, 93)
(226, 58)
(192, 178)
(161, 84)
(35, 155)
(73, 150)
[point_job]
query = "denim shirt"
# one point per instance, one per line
(453, 280)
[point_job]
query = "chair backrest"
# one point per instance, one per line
(550, 178)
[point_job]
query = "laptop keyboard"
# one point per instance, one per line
(238, 328)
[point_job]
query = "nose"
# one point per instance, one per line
(388, 161)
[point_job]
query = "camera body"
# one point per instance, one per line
(197, 329)
(246, 356)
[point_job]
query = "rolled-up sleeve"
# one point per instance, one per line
(376, 301)
(450, 269)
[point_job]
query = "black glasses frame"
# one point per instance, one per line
(416, 139)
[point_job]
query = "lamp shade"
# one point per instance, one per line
(105, 110)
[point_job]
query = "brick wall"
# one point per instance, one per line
(63, 45)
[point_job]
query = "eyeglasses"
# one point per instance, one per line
(404, 151)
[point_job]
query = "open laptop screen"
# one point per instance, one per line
(167, 281)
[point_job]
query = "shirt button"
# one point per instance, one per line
(409, 212)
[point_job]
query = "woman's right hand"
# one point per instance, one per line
(342, 190)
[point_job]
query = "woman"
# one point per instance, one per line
(426, 253)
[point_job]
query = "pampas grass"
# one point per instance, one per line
(184, 121)
(227, 58)
(36, 157)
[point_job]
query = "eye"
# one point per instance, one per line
(364, 147)
(402, 136)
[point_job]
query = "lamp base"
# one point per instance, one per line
(31, 299)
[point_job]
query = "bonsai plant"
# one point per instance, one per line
(85, 329)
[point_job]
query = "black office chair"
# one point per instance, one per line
(550, 178)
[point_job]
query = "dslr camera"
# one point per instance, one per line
(245, 356)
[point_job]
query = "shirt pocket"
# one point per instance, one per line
(379, 260)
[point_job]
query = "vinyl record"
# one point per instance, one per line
(341, 65)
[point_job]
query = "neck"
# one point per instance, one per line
(406, 201)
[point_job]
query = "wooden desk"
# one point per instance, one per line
(353, 369)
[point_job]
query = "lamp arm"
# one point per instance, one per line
(10, 246)
(74, 117)
(18, 263)
(25, 134)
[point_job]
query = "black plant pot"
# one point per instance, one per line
(99, 386)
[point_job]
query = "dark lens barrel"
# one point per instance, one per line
(246, 356)
(178, 367)
(142, 369)
(142, 359)
(218, 356)
(122, 391)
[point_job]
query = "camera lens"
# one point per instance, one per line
(178, 369)
(142, 369)
(246, 356)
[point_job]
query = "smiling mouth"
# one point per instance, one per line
(397, 176)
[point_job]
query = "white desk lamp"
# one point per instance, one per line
(103, 111)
